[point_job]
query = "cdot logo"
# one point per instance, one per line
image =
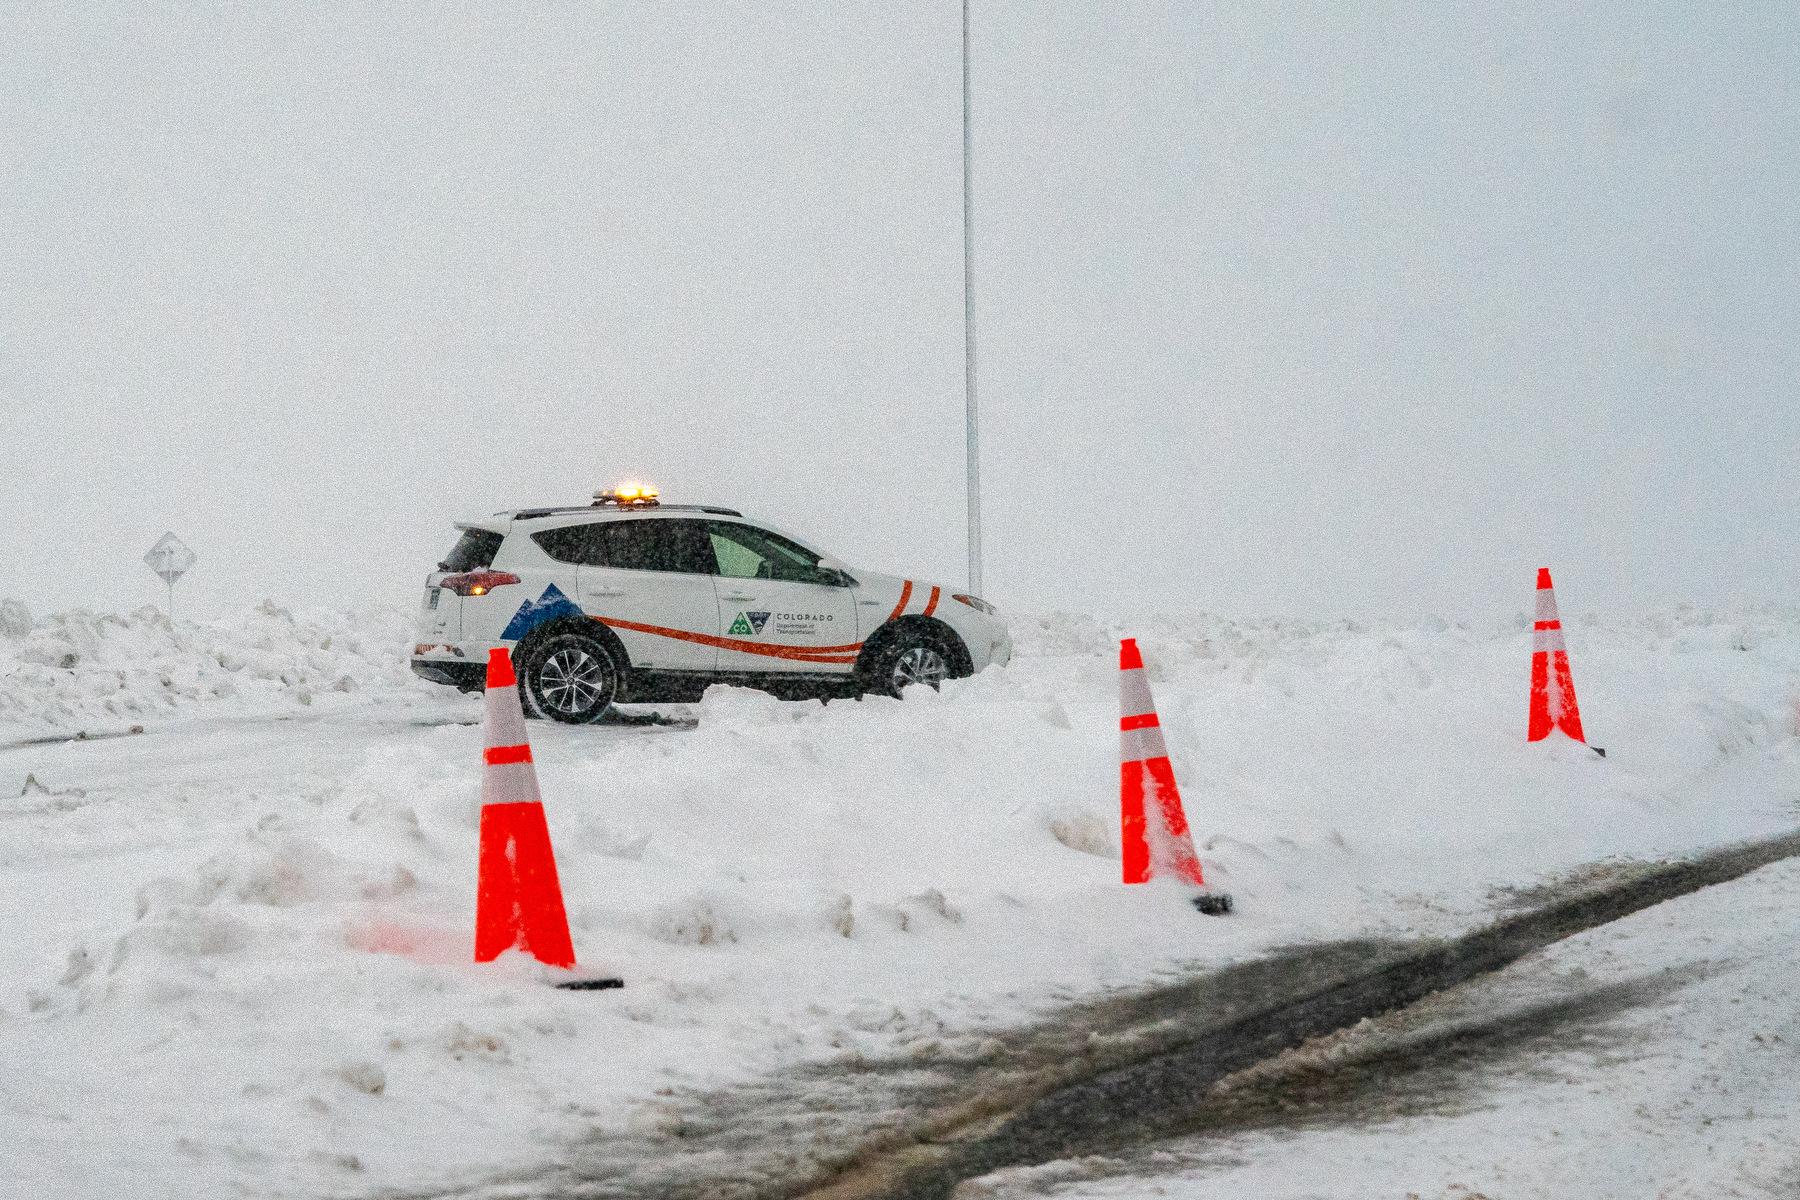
(749, 623)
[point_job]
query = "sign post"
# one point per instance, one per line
(170, 558)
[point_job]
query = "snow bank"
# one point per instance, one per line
(88, 671)
(248, 972)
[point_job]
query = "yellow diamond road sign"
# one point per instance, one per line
(170, 558)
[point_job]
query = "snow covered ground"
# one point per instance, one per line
(234, 948)
(1655, 1057)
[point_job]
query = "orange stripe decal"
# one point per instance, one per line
(932, 606)
(818, 654)
(905, 598)
(499, 756)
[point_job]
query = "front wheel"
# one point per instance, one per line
(570, 677)
(911, 659)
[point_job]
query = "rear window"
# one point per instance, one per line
(473, 551)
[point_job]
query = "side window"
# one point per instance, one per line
(566, 545)
(741, 552)
(737, 560)
(648, 545)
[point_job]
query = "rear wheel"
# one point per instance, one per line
(570, 677)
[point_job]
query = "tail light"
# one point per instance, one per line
(976, 603)
(477, 583)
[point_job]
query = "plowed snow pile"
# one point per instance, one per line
(234, 957)
(87, 672)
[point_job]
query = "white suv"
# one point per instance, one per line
(628, 600)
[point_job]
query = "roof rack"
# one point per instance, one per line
(528, 514)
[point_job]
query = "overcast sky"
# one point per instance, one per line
(1325, 310)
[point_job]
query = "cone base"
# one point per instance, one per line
(589, 985)
(1213, 904)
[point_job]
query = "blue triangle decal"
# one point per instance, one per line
(551, 605)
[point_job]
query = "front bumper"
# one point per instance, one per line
(1000, 651)
(986, 637)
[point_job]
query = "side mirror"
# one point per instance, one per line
(835, 573)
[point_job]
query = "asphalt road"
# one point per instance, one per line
(1652, 1056)
(1125, 1075)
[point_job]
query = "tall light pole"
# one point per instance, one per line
(974, 439)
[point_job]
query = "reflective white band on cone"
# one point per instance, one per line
(505, 724)
(1134, 693)
(509, 777)
(1546, 641)
(509, 783)
(1138, 745)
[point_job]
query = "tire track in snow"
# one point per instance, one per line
(1155, 1095)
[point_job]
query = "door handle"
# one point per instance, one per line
(736, 596)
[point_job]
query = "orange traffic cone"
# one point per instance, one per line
(1552, 687)
(518, 902)
(1152, 825)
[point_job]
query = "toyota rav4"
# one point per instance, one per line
(628, 599)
